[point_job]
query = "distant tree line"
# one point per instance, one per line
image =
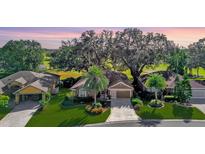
(20, 55)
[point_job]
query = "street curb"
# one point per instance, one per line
(146, 120)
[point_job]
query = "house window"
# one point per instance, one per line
(82, 93)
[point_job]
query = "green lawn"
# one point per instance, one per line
(46, 61)
(54, 116)
(4, 112)
(170, 111)
(148, 69)
(201, 71)
(66, 74)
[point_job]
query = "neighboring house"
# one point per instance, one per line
(28, 85)
(198, 90)
(119, 86)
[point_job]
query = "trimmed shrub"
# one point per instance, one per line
(136, 101)
(169, 98)
(137, 107)
(83, 99)
(92, 109)
(67, 104)
(46, 101)
(96, 110)
(88, 108)
(104, 102)
(70, 94)
(4, 101)
(156, 103)
(98, 104)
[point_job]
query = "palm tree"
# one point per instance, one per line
(96, 81)
(157, 82)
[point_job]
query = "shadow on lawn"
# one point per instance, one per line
(151, 115)
(182, 112)
(73, 122)
(149, 123)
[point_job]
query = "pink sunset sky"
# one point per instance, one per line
(51, 37)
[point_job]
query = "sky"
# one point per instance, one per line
(51, 37)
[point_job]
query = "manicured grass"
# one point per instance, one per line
(170, 111)
(4, 112)
(54, 116)
(201, 71)
(148, 69)
(154, 68)
(46, 61)
(63, 74)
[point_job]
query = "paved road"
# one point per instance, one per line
(122, 110)
(152, 123)
(197, 101)
(20, 115)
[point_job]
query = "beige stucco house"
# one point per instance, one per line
(119, 86)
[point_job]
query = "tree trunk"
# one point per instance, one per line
(190, 71)
(95, 98)
(197, 71)
(138, 85)
(155, 95)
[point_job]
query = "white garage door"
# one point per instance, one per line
(198, 93)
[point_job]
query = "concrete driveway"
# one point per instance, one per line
(122, 110)
(200, 107)
(199, 103)
(20, 115)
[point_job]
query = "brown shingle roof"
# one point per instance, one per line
(40, 80)
(78, 84)
(113, 77)
(21, 80)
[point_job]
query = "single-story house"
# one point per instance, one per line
(198, 90)
(119, 86)
(28, 85)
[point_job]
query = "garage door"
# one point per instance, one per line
(123, 94)
(198, 93)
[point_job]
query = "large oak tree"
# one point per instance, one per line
(134, 50)
(127, 49)
(90, 49)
